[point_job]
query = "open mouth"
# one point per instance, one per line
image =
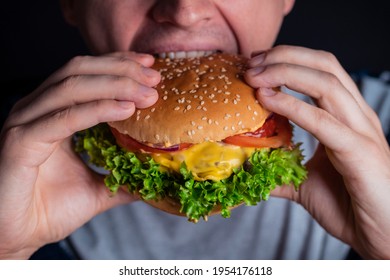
(185, 54)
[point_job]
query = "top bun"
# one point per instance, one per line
(200, 99)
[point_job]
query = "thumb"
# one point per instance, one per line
(109, 200)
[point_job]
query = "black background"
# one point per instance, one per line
(36, 40)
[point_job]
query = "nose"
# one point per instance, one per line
(182, 13)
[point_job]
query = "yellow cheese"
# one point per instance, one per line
(206, 161)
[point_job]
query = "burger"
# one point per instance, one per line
(206, 146)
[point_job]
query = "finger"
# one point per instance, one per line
(41, 135)
(144, 59)
(315, 59)
(324, 87)
(325, 127)
(115, 64)
(84, 89)
(320, 60)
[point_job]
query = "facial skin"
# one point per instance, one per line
(152, 26)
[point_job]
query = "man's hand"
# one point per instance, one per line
(348, 189)
(46, 191)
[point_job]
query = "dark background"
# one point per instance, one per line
(36, 40)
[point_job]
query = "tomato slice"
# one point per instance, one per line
(276, 132)
(130, 144)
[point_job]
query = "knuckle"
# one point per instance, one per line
(64, 118)
(77, 61)
(332, 82)
(127, 66)
(70, 82)
(12, 139)
(282, 48)
(330, 60)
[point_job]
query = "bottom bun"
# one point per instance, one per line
(172, 206)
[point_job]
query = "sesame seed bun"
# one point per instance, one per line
(200, 99)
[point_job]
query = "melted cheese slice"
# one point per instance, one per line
(207, 161)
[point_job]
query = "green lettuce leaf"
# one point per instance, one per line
(250, 184)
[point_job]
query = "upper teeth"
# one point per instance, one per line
(183, 54)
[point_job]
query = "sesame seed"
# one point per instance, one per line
(193, 123)
(200, 127)
(152, 110)
(210, 121)
(177, 108)
(225, 128)
(255, 113)
(204, 118)
(237, 114)
(227, 92)
(249, 107)
(188, 107)
(147, 117)
(225, 101)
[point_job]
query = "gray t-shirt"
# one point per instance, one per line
(275, 229)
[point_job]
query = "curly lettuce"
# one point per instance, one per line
(264, 170)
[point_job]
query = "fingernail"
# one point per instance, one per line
(149, 72)
(147, 91)
(267, 92)
(126, 104)
(256, 70)
(257, 60)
